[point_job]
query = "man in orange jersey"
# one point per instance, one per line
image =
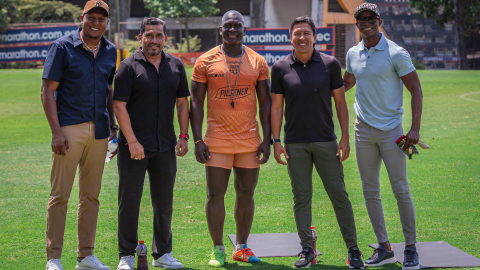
(232, 77)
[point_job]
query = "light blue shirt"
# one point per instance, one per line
(379, 96)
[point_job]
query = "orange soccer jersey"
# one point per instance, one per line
(223, 121)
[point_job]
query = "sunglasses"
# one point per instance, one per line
(370, 20)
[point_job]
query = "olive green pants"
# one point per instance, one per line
(302, 157)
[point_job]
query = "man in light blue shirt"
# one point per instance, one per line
(380, 68)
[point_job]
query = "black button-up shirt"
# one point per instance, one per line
(307, 89)
(151, 97)
(82, 94)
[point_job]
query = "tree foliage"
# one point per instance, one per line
(8, 10)
(183, 10)
(443, 11)
(34, 11)
(181, 47)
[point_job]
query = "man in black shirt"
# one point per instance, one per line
(307, 80)
(149, 84)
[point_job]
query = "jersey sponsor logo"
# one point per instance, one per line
(216, 75)
(240, 92)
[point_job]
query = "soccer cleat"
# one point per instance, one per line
(91, 263)
(381, 257)
(167, 261)
(411, 260)
(354, 259)
(306, 258)
(245, 255)
(126, 263)
(217, 258)
(54, 264)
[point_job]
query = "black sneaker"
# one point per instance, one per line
(411, 259)
(306, 258)
(355, 258)
(381, 257)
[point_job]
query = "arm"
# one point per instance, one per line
(113, 132)
(277, 118)
(265, 104)
(197, 99)
(342, 114)
(59, 141)
(412, 83)
(349, 80)
(135, 148)
(182, 116)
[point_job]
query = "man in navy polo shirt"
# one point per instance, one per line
(305, 81)
(77, 98)
(380, 68)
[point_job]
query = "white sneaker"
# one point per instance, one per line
(91, 262)
(167, 261)
(54, 264)
(126, 263)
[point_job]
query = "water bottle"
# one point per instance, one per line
(142, 263)
(112, 146)
(314, 245)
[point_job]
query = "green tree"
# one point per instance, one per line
(34, 11)
(183, 10)
(464, 13)
(8, 10)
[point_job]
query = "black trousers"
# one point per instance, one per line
(161, 168)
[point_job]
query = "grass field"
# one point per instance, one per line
(445, 184)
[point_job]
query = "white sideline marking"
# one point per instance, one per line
(464, 96)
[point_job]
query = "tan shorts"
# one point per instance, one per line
(228, 161)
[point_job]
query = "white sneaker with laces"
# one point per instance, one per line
(167, 261)
(54, 264)
(91, 263)
(126, 263)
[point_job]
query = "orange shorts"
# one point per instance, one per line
(228, 161)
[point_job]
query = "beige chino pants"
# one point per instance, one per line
(88, 154)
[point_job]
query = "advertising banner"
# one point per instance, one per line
(281, 36)
(36, 34)
(23, 54)
(273, 56)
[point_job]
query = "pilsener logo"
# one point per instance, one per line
(240, 92)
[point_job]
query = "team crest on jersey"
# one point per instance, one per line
(233, 69)
(240, 92)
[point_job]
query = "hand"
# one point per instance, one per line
(265, 149)
(182, 147)
(344, 148)
(136, 150)
(59, 144)
(278, 150)
(113, 134)
(200, 149)
(412, 138)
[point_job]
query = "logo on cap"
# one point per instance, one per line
(98, 4)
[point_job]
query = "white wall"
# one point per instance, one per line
(280, 13)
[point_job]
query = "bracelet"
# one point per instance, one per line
(199, 141)
(131, 143)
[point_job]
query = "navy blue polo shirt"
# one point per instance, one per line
(151, 96)
(307, 89)
(82, 94)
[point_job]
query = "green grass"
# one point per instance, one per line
(445, 186)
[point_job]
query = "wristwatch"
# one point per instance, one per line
(114, 127)
(186, 137)
(272, 141)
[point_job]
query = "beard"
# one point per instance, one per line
(153, 52)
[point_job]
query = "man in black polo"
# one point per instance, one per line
(77, 98)
(306, 80)
(149, 84)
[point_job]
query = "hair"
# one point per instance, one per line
(303, 19)
(152, 21)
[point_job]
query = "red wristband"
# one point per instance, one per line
(199, 141)
(184, 136)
